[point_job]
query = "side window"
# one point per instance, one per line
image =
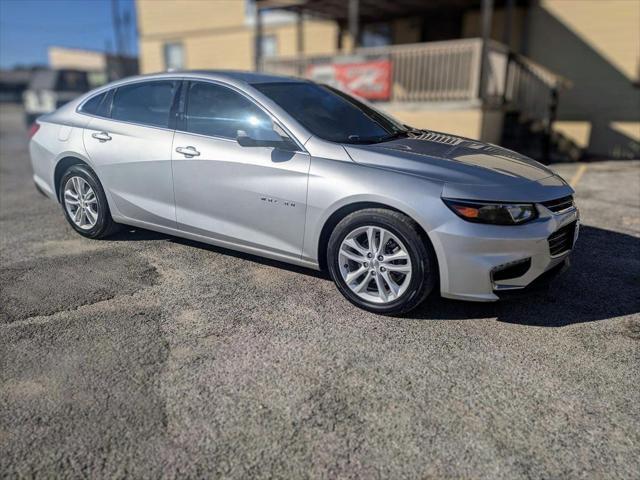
(148, 103)
(92, 105)
(218, 111)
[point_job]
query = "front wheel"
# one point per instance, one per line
(380, 261)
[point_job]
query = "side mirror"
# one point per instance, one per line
(259, 136)
(244, 140)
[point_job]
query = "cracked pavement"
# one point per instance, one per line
(150, 356)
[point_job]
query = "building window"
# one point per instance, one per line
(376, 35)
(269, 46)
(173, 56)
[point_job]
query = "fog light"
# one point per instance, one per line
(511, 270)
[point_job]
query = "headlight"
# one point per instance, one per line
(492, 212)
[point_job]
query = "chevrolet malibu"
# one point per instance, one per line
(303, 173)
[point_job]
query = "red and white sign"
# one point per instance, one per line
(370, 80)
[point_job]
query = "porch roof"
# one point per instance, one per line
(372, 10)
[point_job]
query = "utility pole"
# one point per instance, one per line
(126, 32)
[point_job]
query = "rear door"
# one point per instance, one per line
(251, 196)
(131, 149)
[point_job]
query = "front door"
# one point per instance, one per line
(251, 196)
(131, 151)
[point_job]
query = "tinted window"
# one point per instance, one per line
(91, 106)
(72, 81)
(148, 103)
(219, 111)
(330, 114)
(60, 80)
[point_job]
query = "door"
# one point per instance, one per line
(131, 151)
(252, 196)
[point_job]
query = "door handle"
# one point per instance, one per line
(102, 136)
(188, 152)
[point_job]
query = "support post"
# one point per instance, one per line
(508, 23)
(257, 49)
(548, 134)
(300, 41)
(300, 33)
(354, 20)
(487, 13)
(506, 39)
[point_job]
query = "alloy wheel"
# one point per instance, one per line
(81, 203)
(375, 264)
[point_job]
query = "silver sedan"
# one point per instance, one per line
(303, 173)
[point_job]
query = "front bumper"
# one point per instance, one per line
(469, 255)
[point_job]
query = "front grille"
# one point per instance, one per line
(561, 240)
(559, 204)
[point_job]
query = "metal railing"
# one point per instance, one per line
(435, 71)
(448, 71)
(531, 90)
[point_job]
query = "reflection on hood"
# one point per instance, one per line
(450, 158)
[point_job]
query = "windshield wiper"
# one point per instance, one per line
(377, 139)
(359, 139)
(392, 136)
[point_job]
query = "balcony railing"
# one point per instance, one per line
(447, 71)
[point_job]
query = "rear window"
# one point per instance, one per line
(148, 103)
(92, 105)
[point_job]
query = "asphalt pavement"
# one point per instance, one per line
(150, 356)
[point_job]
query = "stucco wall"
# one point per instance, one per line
(596, 45)
(219, 34)
(467, 122)
(61, 57)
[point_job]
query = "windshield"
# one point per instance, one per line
(330, 114)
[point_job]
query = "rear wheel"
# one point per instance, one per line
(380, 261)
(85, 204)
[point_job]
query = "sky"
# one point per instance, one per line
(28, 27)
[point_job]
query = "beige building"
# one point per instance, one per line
(101, 67)
(503, 72)
(596, 45)
(219, 34)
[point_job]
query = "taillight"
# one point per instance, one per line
(35, 126)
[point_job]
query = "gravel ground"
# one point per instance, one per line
(150, 356)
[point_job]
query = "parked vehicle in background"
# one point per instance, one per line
(50, 89)
(303, 173)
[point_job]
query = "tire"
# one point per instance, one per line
(103, 226)
(404, 248)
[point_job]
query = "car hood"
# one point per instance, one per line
(464, 165)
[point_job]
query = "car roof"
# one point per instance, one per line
(233, 76)
(243, 76)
